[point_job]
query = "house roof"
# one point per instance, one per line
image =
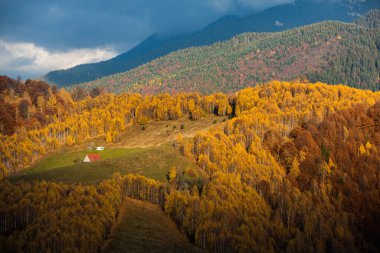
(93, 157)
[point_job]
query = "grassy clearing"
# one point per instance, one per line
(144, 227)
(146, 152)
(64, 159)
(153, 162)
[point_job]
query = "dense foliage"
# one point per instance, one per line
(330, 52)
(295, 169)
(51, 217)
(66, 122)
(26, 103)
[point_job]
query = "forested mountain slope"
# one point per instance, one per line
(370, 20)
(332, 52)
(314, 188)
(278, 18)
(296, 167)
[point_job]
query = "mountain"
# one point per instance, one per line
(329, 51)
(371, 20)
(278, 18)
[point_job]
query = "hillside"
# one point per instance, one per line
(314, 180)
(278, 18)
(295, 167)
(332, 52)
(145, 228)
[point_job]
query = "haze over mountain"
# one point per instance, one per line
(278, 18)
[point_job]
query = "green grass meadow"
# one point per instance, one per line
(153, 162)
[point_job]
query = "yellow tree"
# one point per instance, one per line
(108, 137)
(172, 174)
(69, 140)
(40, 104)
(191, 105)
(295, 169)
(51, 104)
(3, 171)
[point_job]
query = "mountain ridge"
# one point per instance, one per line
(329, 51)
(280, 18)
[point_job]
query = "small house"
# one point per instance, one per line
(91, 158)
(100, 148)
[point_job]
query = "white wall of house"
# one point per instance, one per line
(86, 160)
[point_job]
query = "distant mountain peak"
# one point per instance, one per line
(370, 20)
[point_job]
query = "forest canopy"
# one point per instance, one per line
(296, 168)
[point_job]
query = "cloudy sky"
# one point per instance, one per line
(37, 36)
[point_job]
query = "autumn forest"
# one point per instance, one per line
(294, 166)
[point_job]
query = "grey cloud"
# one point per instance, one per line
(119, 23)
(72, 25)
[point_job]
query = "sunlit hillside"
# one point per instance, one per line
(282, 166)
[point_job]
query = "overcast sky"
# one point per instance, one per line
(37, 36)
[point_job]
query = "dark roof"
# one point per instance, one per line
(93, 157)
